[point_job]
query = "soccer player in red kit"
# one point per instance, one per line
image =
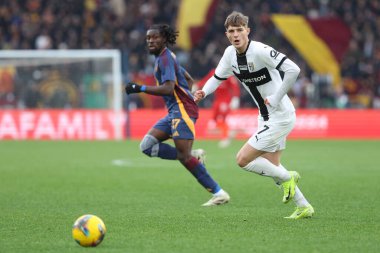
(226, 98)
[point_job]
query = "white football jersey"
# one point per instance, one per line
(258, 69)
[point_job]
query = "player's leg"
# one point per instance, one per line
(261, 154)
(200, 154)
(194, 166)
(256, 161)
(226, 137)
(198, 170)
(152, 145)
(289, 185)
(263, 166)
(299, 199)
(183, 136)
(303, 208)
(220, 118)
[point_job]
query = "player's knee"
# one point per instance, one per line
(183, 157)
(241, 160)
(152, 151)
(149, 145)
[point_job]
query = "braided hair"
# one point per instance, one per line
(167, 32)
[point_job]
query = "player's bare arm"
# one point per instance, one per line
(167, 88)
(189, 79)
(211, 85)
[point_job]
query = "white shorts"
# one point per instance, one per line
(271, 135)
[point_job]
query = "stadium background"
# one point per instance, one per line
(345, 33)
(151, 205)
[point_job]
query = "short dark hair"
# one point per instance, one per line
(166, 31)
(236, 19)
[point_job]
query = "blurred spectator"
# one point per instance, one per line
(121, 24)
(32, 96)
(43, 41)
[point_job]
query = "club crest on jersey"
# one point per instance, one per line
(251, 67)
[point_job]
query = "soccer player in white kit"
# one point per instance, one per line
(267, 75)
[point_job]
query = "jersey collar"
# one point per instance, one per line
(162, 51)
(243, 54)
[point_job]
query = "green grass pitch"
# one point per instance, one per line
(153, 205)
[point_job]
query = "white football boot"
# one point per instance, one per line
(220, 198)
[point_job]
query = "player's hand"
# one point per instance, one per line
(132, 87)
(199, 95)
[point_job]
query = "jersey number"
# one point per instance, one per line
(265, 128)
(175, 123)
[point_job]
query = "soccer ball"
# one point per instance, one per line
(89, 230)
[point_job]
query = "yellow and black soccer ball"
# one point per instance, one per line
(89, 230)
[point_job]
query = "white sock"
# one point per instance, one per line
(265, 168)
(221, 191)
(299, 199)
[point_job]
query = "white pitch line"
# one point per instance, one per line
(136, 163)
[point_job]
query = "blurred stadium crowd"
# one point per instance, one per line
(121, 24)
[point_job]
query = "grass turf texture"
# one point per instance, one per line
(153, 205)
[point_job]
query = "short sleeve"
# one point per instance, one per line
(272, 57)
(167, 69)
(224, 69)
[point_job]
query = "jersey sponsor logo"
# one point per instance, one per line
(256, 78)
